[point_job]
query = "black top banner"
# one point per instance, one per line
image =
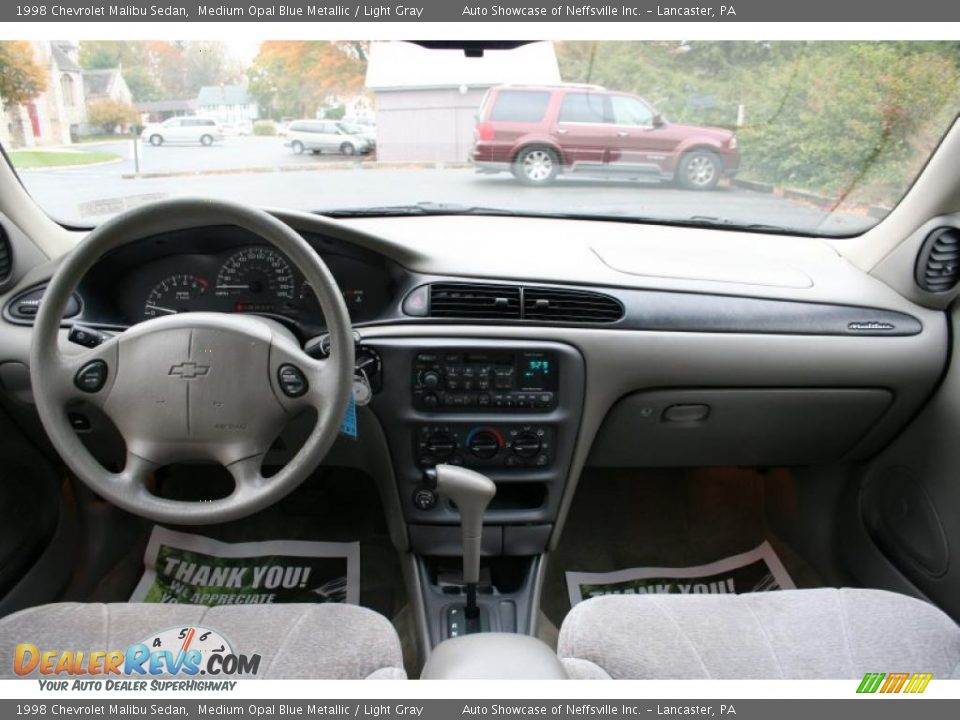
(638, 11)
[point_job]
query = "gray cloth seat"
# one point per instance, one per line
(792, 634)
(329, 641)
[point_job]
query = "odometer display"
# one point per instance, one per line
(256, 279)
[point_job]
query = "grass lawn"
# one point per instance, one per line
(52, 158)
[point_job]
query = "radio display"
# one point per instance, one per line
(537, 372)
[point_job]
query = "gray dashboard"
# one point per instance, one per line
(776, 334)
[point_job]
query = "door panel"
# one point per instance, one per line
(907, 504)
(636, 143)
(581, 130)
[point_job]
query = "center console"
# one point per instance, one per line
(509, 410)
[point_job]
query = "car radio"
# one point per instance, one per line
(485, 380)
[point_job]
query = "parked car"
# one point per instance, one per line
(367, 132)
(359, 120)
(319, 136)
(539, 132)
(204, 131)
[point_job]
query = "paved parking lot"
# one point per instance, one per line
(236, 151)
(89, 194)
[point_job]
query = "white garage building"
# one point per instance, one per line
(427, 100)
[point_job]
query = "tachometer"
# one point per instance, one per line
(175, 294)
(256, 279)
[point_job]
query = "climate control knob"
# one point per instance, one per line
(484, 444)
(526, 444)
(441, 445)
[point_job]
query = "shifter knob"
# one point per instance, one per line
(472, 492)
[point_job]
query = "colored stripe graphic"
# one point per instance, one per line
(894, 682)
(870, 682)
(918, 682)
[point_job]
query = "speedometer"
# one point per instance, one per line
(256, 279)
(175, 294)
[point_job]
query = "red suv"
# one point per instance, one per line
(540, 131)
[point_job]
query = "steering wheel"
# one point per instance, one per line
(197, 386)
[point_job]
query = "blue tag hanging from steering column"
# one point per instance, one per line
(348, 426)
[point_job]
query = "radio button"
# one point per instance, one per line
(430, 379)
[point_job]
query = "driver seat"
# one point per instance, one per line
(328, 641)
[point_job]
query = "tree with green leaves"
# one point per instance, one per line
(852, 120)
(163, 70)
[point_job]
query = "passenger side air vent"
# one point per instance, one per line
(938, 265)
(475, 301)
(570, 306)
(6, 257)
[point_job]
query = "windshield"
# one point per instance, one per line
(819, 138)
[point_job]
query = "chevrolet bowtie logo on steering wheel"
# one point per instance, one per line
(189, 370)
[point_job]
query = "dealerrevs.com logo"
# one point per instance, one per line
(180, 651)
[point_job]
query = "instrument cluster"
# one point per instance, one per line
(178, 276)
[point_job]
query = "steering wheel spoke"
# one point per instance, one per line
(247, 473)
(301, 380)
(86, 376)
(135, 474)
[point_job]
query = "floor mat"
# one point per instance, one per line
(196, 570)
(335, 505)
(662, 518)
(757, 570)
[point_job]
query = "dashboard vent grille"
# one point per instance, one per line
(6, 259)
(938, 266)
(570, 306)
(468, 300)
(509, 302)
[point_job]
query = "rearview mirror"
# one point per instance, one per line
(658, 120)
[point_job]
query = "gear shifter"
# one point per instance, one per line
(472, 492)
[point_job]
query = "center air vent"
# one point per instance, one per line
(570, 306)
(938, 266)
(510, 302)
(467, 300)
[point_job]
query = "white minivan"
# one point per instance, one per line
(204, 131)
(324, 136)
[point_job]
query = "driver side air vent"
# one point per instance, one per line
(570, 306)
(938, 265)
(476, 301)
(6, 258)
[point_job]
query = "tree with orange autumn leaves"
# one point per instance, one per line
(22, 78)
(296, 78)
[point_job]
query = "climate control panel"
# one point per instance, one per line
(451, 380)
(500, 445)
